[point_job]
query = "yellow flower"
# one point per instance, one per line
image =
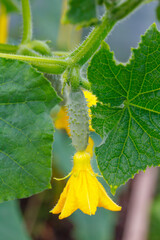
(83, 191)
(62, 123)
(62, 117)
(91, 101)
(4, 21)
(89, 148)
(62, 120)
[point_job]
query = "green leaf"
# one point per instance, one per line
(12, 5)
(128, 115)
(81, 12)
(11, 222)
(26, 130)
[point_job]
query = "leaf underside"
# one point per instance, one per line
(128, 113)
(26, 130)
(81, 12)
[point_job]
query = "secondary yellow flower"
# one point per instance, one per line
(83, 191)
(62, 117)
(4, 22)
(91, 101)
(62, 120)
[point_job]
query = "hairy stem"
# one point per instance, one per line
(50, 68)
(6, 48)
(83, 53)
(35, 60)
(27, 21)
(93, 41)
(124, 9)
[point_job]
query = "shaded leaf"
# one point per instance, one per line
(81, 12)
(26, 130)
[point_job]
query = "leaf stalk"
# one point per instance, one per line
(27, 21)
(84, 52)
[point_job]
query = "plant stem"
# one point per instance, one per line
(50, 68)
(27, 21)
(47, 65)
(83, 53)
(60, 53)
(124, 9)
(35, 60)
(6, 48)
(91, 44)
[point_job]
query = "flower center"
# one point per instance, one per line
(81, 161)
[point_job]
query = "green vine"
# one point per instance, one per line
(27, 21)
(56, 65)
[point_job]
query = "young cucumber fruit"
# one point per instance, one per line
(78, 119)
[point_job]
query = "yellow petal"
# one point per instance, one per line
(87, 193)
(62, 117)
(58, 208)
(105, 201)
(83, 191)
(70, 204)
(4, 22)
(89, 148)
(91, 99)
(62, 120)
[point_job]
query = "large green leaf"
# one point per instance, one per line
(128, 115)
(81, 12)
(26, 130)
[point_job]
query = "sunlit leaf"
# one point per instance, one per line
(128, 115)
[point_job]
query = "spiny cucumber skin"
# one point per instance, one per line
(78, 120)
